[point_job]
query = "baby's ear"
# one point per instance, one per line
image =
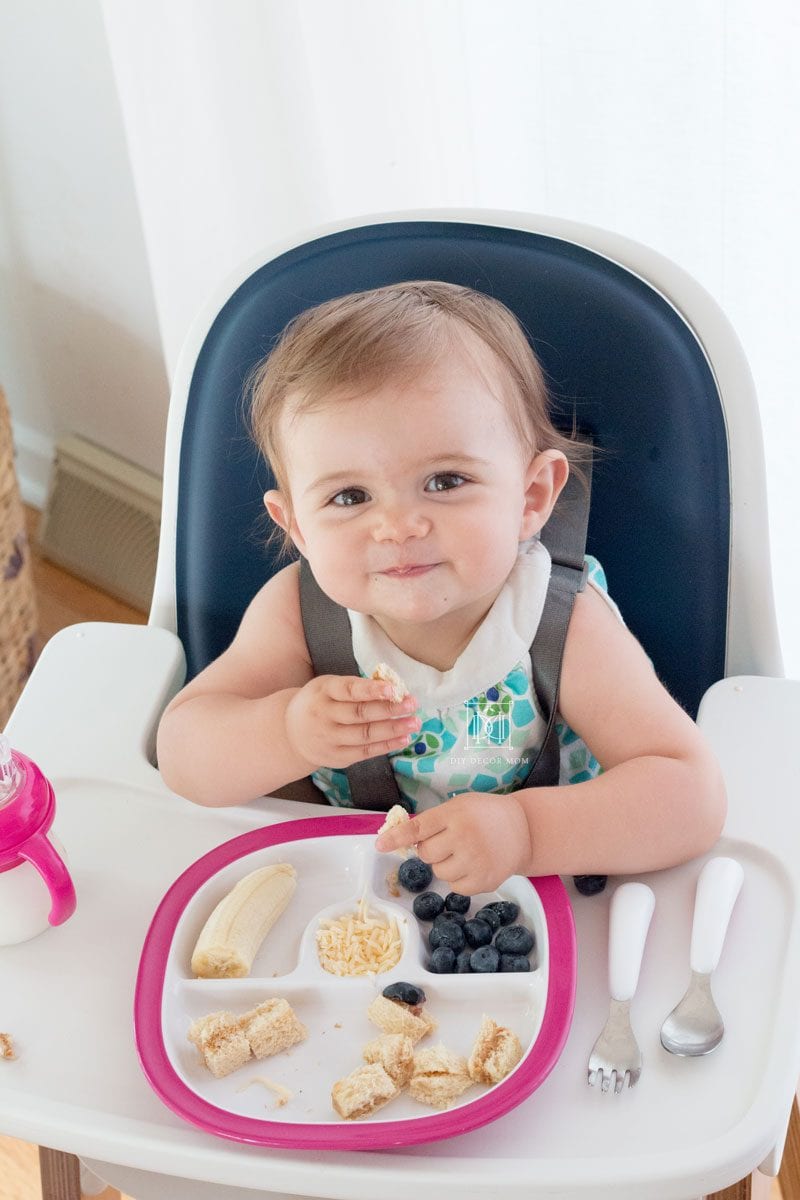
(280, 511)
(277, 508)
(544, 480)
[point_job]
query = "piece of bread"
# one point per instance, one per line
(271, 1027)
(6, 1046)
(395, 1053)
(396, 815)
(384, 672)
(222, 1042)
(226, 1042)
(392, 1016)
(362, 1092)
(439, 1076)
(496, 1052)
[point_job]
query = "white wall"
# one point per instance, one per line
(670, 121)
(80, 349)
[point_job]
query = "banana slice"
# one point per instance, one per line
(238, 925)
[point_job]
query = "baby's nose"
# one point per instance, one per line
(398, 521)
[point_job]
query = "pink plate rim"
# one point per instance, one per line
(162, 1077)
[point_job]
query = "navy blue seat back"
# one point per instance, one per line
(617, 357)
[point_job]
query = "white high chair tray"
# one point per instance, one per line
(337, 866)
(689, 1127)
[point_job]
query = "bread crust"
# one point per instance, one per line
(363, 1092)
(226, 1041)
(395, 1053)
(392, 1016)
(439, 1076)
(495, 1053)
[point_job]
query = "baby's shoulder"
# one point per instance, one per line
(274, 612)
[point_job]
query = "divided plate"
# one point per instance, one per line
(336, 864)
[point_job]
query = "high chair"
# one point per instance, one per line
(637, 355)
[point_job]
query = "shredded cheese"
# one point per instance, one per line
(282, 1093)
(358, 943)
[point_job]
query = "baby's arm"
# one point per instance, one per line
(660, 800)
(257, 717)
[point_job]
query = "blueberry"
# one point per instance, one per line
(478, 933)
(459, 918)
(447, 933)
(514, 939)
(427, 905)
(408, 993)
(590, 885)
(462, 961)
(514, 962)
(455, 902)
(414, 875)
(506, 910)
(443, 960)
(485, 959)
(490, 916)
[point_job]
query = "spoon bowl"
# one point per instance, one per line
(695, 1026)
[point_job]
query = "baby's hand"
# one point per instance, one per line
(473, 841)
(336, 720)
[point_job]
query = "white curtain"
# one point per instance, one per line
(673, 122)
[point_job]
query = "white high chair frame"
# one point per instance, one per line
(694, 1125)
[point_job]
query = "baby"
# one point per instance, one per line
(415, 466)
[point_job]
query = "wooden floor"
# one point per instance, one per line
(64, 600)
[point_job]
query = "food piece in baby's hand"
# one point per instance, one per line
(385, 673)
(396, 815)
(363, 1091)
(6, 1046)
(395, 1053)
(439, 1076)
(392, 1016)
(496, 1052)
(222, 1042)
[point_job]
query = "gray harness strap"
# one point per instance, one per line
(330, 645)
(564, 535)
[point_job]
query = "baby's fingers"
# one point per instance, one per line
(409, 833)
(361, 700)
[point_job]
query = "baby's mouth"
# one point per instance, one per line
(409, 571)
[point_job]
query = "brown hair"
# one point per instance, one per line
(362, 340)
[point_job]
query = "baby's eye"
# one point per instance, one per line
(443, 482)
(348, 497)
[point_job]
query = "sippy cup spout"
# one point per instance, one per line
(8, 771)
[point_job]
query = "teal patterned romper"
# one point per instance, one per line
(480, 728)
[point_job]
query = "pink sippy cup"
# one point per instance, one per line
(35, 887)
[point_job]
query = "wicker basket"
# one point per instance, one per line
(18, 619)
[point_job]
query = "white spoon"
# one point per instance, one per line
(695, 1025)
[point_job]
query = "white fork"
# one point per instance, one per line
(616, 1057)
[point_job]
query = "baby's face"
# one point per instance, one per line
(410, 501)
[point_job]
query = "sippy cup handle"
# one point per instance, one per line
(41, 854)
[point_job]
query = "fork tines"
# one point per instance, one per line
(607, 1078)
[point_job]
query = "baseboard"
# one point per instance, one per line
(34, 461)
